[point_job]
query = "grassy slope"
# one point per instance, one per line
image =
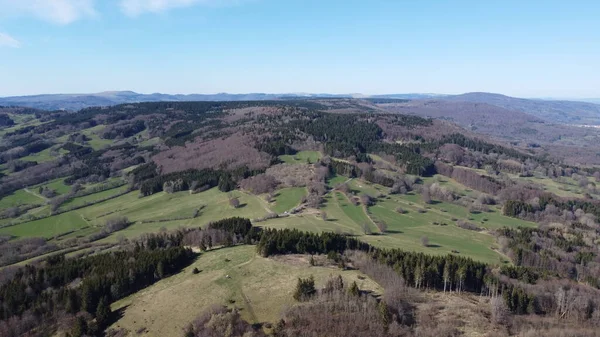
(301, 157)
(405, 230)
(288, 198)
(58, 185)
(40, 157)
(21, 197)
(47, 227)
(171, 206)
(94, 197)
(260, 287)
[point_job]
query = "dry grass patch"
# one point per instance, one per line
(260, 287)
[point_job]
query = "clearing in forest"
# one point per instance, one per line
(236, 277)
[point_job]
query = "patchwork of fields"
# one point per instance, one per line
(163, 211)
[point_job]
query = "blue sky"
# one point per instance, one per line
(521, 48)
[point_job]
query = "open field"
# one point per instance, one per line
(171, 211)
(339, 209)
(47, 227)
(58, 185)
(21, 121)
(40, 157)
(163, 206)
(302, 157)
(336, 180)
(564, 187)
(260, 287)
(288, 198)
(80, 201)
(19, 198)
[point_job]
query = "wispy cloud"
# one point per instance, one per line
(138, 7)
(56, 11)
(8, 41)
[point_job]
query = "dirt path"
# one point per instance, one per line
(249, 306)
(235, 272)
(84, 219)
(333, 189)
(263, 203)
(36, 195)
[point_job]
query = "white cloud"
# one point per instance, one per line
(8, 41)
(137, 7)
(56, 11)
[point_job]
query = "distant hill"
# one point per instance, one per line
(74, 102)
(568, 112)
(79, 101)
(557, 111)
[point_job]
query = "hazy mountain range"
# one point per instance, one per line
(559, 111)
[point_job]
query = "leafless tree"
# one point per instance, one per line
(234, 202)
(366, 228)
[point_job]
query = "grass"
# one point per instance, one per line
(58, 185)
(21, 121)
(20, 198)
(288, 198)
(332, 182)
(406, 230)
(261, 288)
(568, 188)
(96, 142)
(80, 201)
(302, 157)
(136, 209)
(171, 206)
(313, 223)
(48, 227)
(40, 157)
(176, 210)
(337, 201)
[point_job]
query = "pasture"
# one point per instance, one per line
(288, 198)
(302, 157)
(20, 198)
(48, 227)
(236, 277)
(58, 185)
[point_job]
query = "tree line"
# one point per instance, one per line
(46, 291)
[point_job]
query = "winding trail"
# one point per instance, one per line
(35, 194)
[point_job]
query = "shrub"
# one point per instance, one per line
(305, 289)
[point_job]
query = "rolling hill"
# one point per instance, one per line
(566, 112)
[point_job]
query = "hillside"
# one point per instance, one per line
(565, 112)
(574, 144)
(161, 218)
(74, 102)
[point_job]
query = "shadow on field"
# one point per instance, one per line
(115, 316)
(393, 231)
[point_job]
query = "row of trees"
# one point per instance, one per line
(46, 291)
(419, 270)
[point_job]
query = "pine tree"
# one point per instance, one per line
(354, 289)
(103, 312)
(305, 288)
